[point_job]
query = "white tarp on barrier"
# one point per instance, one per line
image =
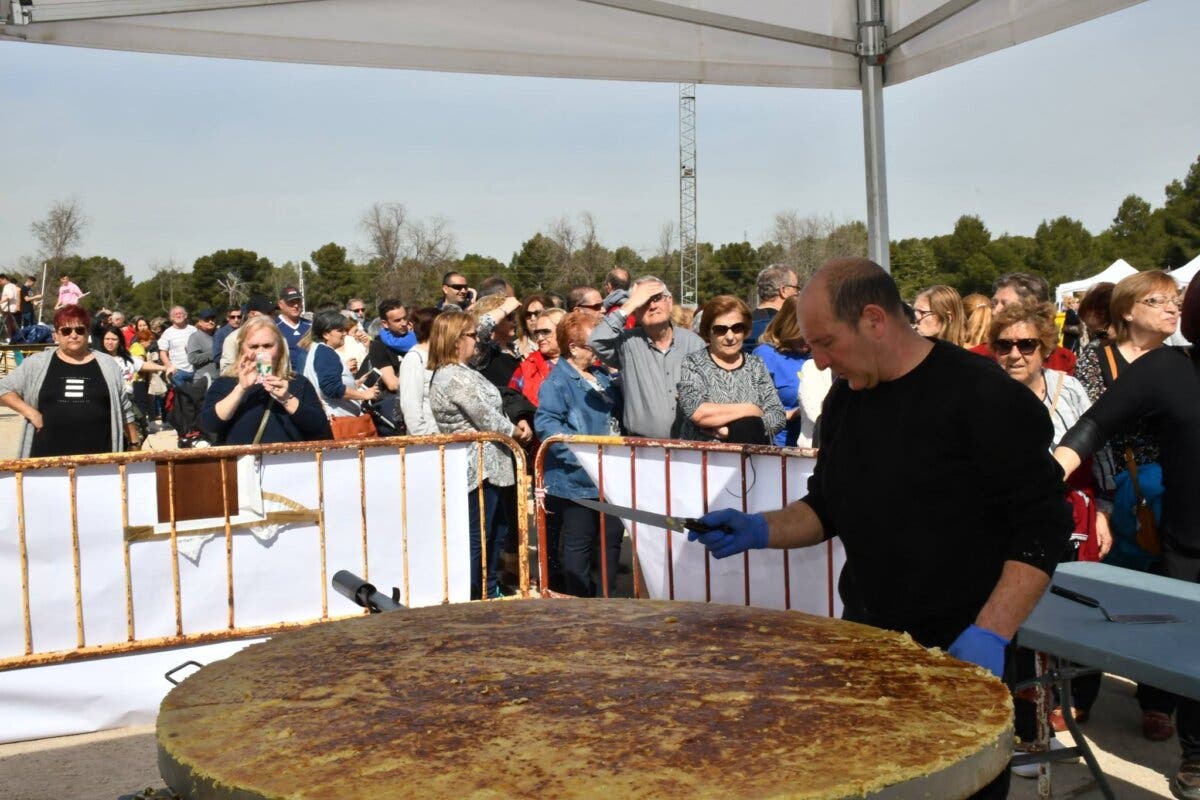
(276, 566)
(770, 482)
(749, 42)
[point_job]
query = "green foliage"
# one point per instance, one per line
(532, 267)
(104, 280)
(1181, 219)
(913, 266)
(1063, 250)
(730, 269)
(228, 277)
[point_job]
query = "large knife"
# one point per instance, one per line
(681, 524)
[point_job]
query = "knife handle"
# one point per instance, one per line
(697, 526)
(1083, 599)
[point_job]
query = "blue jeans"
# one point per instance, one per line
(181, 378)
(498, 502)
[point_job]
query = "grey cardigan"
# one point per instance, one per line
(26, 380)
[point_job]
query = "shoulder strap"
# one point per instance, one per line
(1131, 465)
(1112, 361)
(262, 426)
(1057, 391)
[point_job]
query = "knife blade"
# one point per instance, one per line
(681, 524)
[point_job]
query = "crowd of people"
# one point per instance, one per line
(624, 359)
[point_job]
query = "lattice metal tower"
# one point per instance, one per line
(689, 290)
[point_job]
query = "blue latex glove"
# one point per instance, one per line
(733, 532)
(981, 646)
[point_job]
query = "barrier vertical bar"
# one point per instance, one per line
(704, 501)
(319, 462)
(23, 555)
(121, 470)
(228, 540)
(362, 503)
(667, 533)
(483, 525)
(745, 507)
(539, 510)
(601, 518)
(403, 451)
(174, 548)
(829, 571)
(637, 567)
(79, 639)
(445, 549)
(787, 554)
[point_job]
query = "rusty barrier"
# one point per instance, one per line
(105, 554)
(683, 479)
(11, 355)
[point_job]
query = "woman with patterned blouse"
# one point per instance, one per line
(725, 394)
(464, 401)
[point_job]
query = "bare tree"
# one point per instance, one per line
(171, 281)
(384, 224)
(234, 287)
(59, 232)
(666, 241)
(427, 248)
(808, 242)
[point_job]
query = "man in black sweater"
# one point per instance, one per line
(934, 470)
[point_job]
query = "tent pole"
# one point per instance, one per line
(872, 49)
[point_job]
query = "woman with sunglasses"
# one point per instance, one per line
(532, 307)
(1141, 314)
(73, 399)
(537, 365)
(1022, 336)
(464, 401)
(725, 394)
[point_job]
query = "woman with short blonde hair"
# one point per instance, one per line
(939, 312)
(977, 311)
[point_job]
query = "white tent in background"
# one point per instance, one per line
(1113, 273)
(827, 44)
(1187, 273)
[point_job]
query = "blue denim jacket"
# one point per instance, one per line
(567, 404)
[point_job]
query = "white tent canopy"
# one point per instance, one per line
(1113, 273)
(1187, 273)
(835, 44)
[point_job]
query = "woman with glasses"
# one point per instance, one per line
(73, 399)
(532, 307)
(339, 393)
(1142, 313)
(577, 397)
(939, 313)
(537, 365)
(464, 401)
(725, 394)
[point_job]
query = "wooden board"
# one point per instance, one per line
(586, 698)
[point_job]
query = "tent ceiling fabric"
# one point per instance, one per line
(558, 38)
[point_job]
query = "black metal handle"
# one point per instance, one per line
(1082, 599)
(169, 675)
(697, 526)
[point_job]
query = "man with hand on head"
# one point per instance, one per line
(650, 357)
(918, 436)
(456, 292)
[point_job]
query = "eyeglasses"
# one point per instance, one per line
(656, 298)
(922, 313)
(738, 329)
(78, 330)
(1158, 301)
(358, 310)
(458, 287)
(591, 306)
(471, 334)
(1025, 347)
(542, 333)
(535, 312)
(233, 316)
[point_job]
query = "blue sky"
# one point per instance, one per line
(175, 157)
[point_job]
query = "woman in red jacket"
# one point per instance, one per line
(537, 365)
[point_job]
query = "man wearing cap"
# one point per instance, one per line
(257, 306)
(172, 347)
(455, 292)
(200, 347)
(292, 325)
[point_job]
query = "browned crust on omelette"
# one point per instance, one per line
(582, 698)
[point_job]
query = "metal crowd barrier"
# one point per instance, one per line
(11, 355)
(678, 475)
(55, 580)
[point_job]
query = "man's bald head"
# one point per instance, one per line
(852, 284)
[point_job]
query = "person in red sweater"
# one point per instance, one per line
(537, 365)
(1018, 287)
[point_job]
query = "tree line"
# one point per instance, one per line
(406, 257)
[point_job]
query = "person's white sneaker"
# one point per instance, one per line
(1031, 770)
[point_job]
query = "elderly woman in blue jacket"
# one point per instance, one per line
(577, 397)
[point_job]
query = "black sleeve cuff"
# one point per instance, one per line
(1085, 438)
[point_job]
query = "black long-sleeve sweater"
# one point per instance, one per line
(933, 481)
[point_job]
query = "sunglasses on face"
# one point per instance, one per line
(458, 287)
(542, 333)
(591, 306)
(737, 328)
(234, 316)
(471, 335)
(67, 330)
(358, 310)
(1025, 347)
